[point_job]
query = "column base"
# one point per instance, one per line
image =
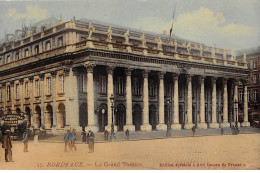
(223, 125)
(176, 126)
(146, 128)
(202, 126)
(214, 125)
(245, 124)
(161, 127)
(130, 127)
(188, 125)
(108, 128)
(92, 128)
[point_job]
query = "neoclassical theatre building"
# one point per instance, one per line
(61, 75)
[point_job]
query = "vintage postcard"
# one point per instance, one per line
(130, 85)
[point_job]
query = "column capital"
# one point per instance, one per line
(89, 66)
(21, 81)
(75, 71)
(236, 81)
(213, 80)
(128, 71)
(53, 73)
(245, 81)
(66, 71)
(41, 76)
(161, 74)
(175, 76)
(224, 80)
(31, 78)
(201, 79)
(145, 73)
(110, 69)
(189, 77)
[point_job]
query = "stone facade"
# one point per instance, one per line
(64, 76)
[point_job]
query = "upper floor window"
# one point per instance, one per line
(152, 88)
(17, 56)
(82, 38)
(102, 84)
(255, 95)
(36, 49)
(26, 84)
(120, 85)
(60, 41)
(8, 93)
(136, 87)
(48, 45)
(61, 82)
(8, 58)
(48, 79)
(37, 87)
(82, 81)
(1, 95)
(17, 91)
(1, 60)
(248, 95)
(241, 96)
(26, 53)
(254, 78)
(255, 64)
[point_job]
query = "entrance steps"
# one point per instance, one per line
(120, 136)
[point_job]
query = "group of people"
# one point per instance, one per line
(70, 139)
(106, 134)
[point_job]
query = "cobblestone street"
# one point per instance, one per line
(208, 152)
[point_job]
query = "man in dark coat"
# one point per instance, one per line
(73, 138)
(84, 136)
(90, 138)
(106, 133)
(127, 134)
(25, 141)
(7, 145)
(67, 140)
(193, 130)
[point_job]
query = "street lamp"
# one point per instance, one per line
(168, 133)
(236, 126)
(113, 136)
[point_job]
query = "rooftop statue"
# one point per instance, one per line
(109, 34)
(234, 55)
(188, 47)
(212, 52)
(127, 35)
(143, 40)
(201, 50)
(159, 43)
(175, 45)
(90, 30)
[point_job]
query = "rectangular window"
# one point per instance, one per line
(17, 91)
(152, 88)
(61, 81)
(255, 95)
(120, 85)
(8, 58)
(26, 53)
(8, 93)
(102, 84)
(36, 49)
(17, 56)
(37, 87)
(255, 64)
(248, 95)
(48, 85)
(254, 78)
(136, 87)
(60, 41)
(48, 45)
(241, 96)
(26, 89)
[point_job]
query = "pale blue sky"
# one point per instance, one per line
(231, 24)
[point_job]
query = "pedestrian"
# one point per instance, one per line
(7, 145)
(73, 138)
(84, 136)
(127, 134)
(25, 141)
(106, 133)
(222, 131)
(90, 138)
(193, 130)
(67, 140)
(36, 138)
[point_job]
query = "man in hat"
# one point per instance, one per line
(25, 141)
(7, 145)
(67, 140)
(90, 138)
(73, 138)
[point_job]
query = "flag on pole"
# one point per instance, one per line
(172, 20)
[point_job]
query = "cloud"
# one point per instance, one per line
(203, 25)
(32, 12)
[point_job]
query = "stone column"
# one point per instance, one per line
(21, 81)
(235, 98)
(202, 124)
(74, 100)
(42, 100)
(31, 94)
(53, 86)
(225, 105)
(90, 98)
(176, 124)
(214, 123)
(245, 123)
(188, 124)
(110, 91)
(146, 126)
(161, 125)
(129, 117)
(67, 91)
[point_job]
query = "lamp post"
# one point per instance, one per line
(236, 125)
(112, 136)
(103, 118)
(168, 133)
